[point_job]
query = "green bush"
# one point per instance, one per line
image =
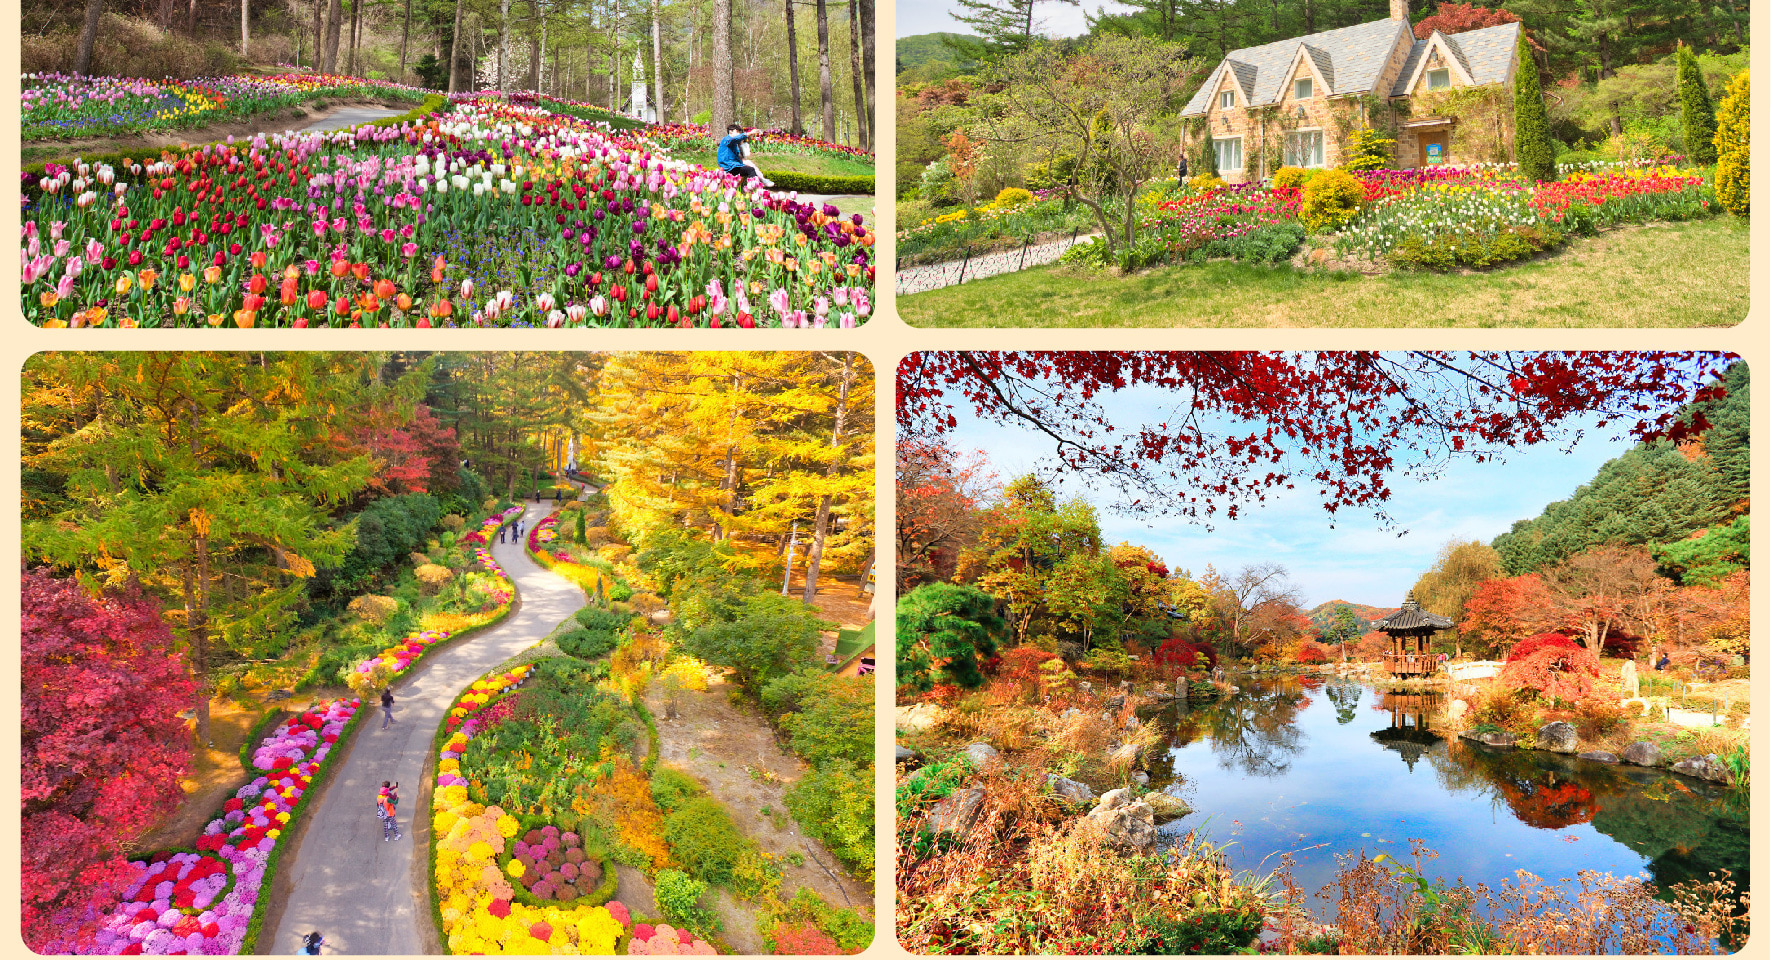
(1329, 199)
(834, 803)
(679, 899)
(387, 532)
(671, 787)
(815, 183)
(588, 644)
(1532, 146)
(835, 719)
(1697, 114)
(1477, 248)
(704, 839)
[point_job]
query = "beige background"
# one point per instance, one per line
(885, 340)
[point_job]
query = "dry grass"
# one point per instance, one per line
(127, 47)
(1662, 275)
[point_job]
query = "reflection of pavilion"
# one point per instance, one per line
(1407, 733)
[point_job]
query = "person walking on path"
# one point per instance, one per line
(501, 532)
(387, 708)
(310, 944)
(1181, 169)
(386, 804)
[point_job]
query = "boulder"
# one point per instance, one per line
(1131, 722)
(1126, 754)
(1140, 777)
(1071, 712)
(1557, 737)
(980, 754)
(1708, 767)
(957, 812)
(1116, 701)
(1166, 807)
(1072, 791)
(920, 716)
(1180, 688)
(1083, 686)
(1642, 753)
(905, 753)
(1127, 822)
(1599, 755)
(1492, 738)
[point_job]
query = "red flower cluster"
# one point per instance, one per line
(1552, 200)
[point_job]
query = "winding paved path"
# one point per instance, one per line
(350, 117)
(361, 893)
(934, 276)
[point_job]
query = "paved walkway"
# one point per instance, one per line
(360, 892)
(934, 276)
(350, 117)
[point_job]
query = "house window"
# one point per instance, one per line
(1304, 148)
(1226, 100)
(1439, 79)
(1303, 89)
(1229, 153)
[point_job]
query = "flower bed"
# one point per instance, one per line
(207, 900)
(477, 907)
(594, 582)
(664, 940)
(492, 215)
(58, 105)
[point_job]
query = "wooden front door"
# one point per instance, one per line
(1435, 147)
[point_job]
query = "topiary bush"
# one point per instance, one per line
(1329, 199)
(1532, 146)
(1697, 115)
(1290, 177)
(1368, 149)
(679, 899)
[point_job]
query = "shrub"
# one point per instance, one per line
(834, 803)
(1290, 177)
(453, 522)
(1180, 652)
(1696, 113)
(1595, 718)
(370, 608)
(801, 940)
(433, 576)
(1311, 653)
(588, 644)
(679, 899)
(1330, 198)
(1554, 672)
(1206, 182)
(1531, 645)
(704, 839)
(815, 183)
(1532, 146)
(1367, 149)
(672, 787)
(1734, 146)
(1013, 197)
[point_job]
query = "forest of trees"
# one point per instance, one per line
(801, 65)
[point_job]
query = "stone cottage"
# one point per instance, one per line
(1292, 102)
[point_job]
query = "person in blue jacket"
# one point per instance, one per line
(733, 152)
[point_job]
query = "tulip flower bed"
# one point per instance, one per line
(698, 136)
(208, 900)
(492, 215)
(58, 105)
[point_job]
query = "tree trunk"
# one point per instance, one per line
(190, 26)
(319, 34)
(822, 525)
(88, 37)
(334, 27)
(168, 11)
(455, 50)
(534, 77)
(826, 98)
(661, 111)
(725, 109)
(245, 38)
(405, 38)
(867, 71)
(798, 127)
(356, 34)
(855, 72)
(503, 40)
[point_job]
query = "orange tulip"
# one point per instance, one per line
(384, 289)
(404, 302)
(441, 308)
(316, 299)
(211, 274)
(340, 268)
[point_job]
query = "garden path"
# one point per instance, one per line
(351, 116)
(934, 276)
(364, 895)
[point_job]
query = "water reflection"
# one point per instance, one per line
(1275, 769)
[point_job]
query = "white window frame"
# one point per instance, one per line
(1226, 100)
(1216, 145)
(1441, 71)
(1297, 91)
(1294, 151)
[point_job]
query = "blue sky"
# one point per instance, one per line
(1349, 556)
(1049, 18)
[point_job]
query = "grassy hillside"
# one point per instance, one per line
(929, 56)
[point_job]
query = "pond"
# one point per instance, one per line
(1318, 767)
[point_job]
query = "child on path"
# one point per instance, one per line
(310, 944)
(385, 805)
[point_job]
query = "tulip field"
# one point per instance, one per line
(485, 213)
(56, 105)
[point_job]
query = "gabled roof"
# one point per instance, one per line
(1412, 617)
(1486, 55)
(1349, 59)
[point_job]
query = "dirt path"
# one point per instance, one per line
(366, 895)
(750, 780)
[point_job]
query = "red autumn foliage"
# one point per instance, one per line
(1453, 18)
(1309, 652)
(1188, 654)
(940, 496)
(1531, 645)
(1554, 672)
(1022, 664)
(102, 746)
(1343, 422)
(803, 940)
(419, 456)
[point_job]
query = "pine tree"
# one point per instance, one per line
(1695, 108)
(1531, 123)
(1734, 146)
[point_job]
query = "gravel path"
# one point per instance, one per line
(350, 117)
(360, 892)
(934, 276)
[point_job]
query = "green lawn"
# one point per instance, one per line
(1662, 275)
(820, 165)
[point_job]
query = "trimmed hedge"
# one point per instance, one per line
(814, 183)
(431, 104)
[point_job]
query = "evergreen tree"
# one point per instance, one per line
(1734, 146)
(958, 623)
(1695, 108)
(1531, 123)
(1001, 26)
